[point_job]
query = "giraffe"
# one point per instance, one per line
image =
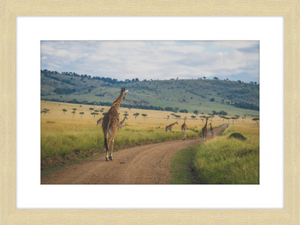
(211, 130)
(204, 129)
(183, 129)
(121, 123)
(170, 126)
(110, 124)
(99, 121)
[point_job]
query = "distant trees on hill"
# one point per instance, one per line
(222, 113)
(70, 83)
(64, 91)
(245, 105)
(48, 73)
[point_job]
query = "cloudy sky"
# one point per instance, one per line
(236, 60)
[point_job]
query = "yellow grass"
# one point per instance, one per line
(61, 133)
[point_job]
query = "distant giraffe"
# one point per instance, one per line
(110, 124)
(99, 121)
(183, 129)
(121, 123)
(204, 129)
(170, 126)
(211, 130)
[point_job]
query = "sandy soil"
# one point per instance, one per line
(148, 164)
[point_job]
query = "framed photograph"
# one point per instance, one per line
(273, 201)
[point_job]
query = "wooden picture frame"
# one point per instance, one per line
(10, 9)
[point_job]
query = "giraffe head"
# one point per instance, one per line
(123, 92)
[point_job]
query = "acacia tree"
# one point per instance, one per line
(81, 113)
(168, 117)
(44, 111)
(202, 118)
(193, 117)
(256, 119)
(144, 115)
(136, 115)
(125, 114)
(64, 110)
(177, 116)
(47, 110)
(94, 113)
(73, 113)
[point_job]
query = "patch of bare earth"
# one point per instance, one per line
(147, 164)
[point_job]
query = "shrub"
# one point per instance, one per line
(237, 136)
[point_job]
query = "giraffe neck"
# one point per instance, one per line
(205, 124)
(123, 120)
(173, 124)
(118, 102)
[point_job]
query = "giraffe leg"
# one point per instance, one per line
(106, 146)
(111, 140)
(111, 149)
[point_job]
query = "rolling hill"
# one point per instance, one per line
(199, 95)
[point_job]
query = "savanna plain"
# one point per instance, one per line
(70, 136)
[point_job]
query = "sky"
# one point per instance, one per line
(157, 60)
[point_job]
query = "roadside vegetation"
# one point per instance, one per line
(221, 160)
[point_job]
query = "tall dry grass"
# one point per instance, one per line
(63, 133)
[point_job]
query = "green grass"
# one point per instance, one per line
(221, 160)
(61, 143)
(227, 161)
(182, 167)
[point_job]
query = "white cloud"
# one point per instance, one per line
(153, 60)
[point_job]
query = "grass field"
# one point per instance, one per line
(221, 160)
(63, 132)
(217, 161)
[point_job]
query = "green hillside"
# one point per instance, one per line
(203, 95)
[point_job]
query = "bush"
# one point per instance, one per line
(237, 136)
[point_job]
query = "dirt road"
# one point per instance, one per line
(148, 164)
